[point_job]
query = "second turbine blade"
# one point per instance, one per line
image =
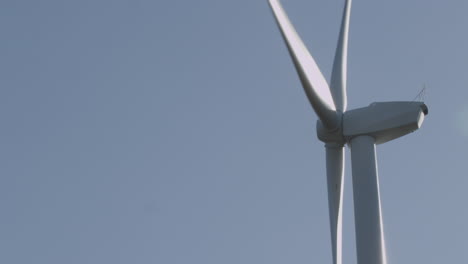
(338, 78)
(335, 169)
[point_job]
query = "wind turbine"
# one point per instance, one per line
(361, 129)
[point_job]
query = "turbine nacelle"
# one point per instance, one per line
(384, 121)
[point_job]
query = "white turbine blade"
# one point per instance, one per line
(315, 85)
(338, 78)
(370, 243)
(335, 169)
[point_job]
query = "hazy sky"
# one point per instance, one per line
(177, 132)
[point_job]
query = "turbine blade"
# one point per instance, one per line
(315, 85)
(370, 243)
(335, 169)
(338, 78)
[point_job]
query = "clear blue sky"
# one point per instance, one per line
(176, 132)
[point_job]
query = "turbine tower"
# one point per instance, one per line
(361, 129)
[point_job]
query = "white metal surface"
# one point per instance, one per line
(340, 64)
(315, 85)
(370, 242)
(384, 121)
(335, 172)
(362, 128)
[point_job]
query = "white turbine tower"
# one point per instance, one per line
(361, 129)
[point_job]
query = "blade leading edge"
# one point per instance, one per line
(338, 78)
(315, 85)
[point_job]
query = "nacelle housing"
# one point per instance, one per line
(384, 121)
